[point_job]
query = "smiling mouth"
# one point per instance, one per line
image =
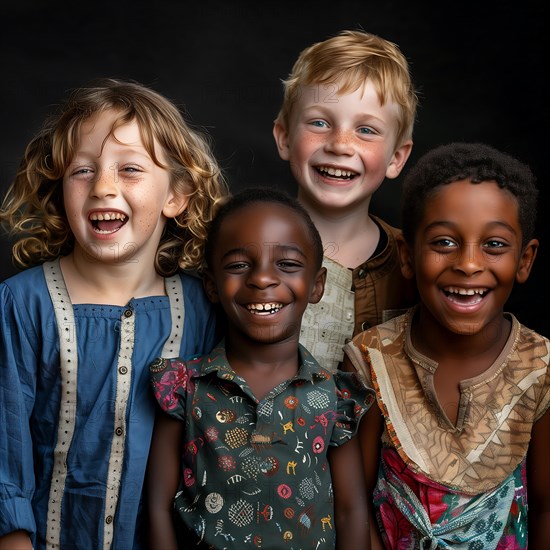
(336, 173)
(264, 309)
(105, 223)
(465, 296)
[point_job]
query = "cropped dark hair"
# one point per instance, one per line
(476, 162)
(262, 195)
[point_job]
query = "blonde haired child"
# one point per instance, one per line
(346, 123)
(113, 196)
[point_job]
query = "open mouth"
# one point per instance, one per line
(264, 309)
(107, 222)
(465, 296)
(336, 173)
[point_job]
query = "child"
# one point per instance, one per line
(346, 124)
(113, 195)
(264, 428)
(462, 426)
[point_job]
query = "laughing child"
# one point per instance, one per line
(461, 434)
(255, 447)
(345, 126)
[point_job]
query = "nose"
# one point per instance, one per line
(262, 275)
(105, 184)
(469, 259)
(340, 142)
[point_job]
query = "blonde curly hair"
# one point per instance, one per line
(350, 59)
(33, 210)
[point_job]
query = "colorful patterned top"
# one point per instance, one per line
(255, 472)
(454, 485)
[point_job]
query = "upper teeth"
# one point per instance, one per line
(264, 307)
(338, 172)
(465, 291)
(107, 216)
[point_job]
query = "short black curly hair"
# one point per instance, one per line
(262, 195)
(476, 162)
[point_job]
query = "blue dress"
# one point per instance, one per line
(76, 408)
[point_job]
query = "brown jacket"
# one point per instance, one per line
(381, 291)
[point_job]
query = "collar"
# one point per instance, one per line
(216, 363)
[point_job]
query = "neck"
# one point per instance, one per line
(439, 343)
(94, 282)
(349, 235)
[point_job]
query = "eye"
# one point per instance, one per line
(319, 123)
(495, 246)
(444, 243)
(236, 266)
(82, 171)
(289, 266)
(365, 130)
(130, 170)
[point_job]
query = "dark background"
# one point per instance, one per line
(479, 67)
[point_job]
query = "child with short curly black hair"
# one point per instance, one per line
(460, 439)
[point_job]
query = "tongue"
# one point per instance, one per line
(466, 299)
(109, 225)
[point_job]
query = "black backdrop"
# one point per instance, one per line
(479, 68)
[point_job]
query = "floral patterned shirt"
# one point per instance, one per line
(255, 472)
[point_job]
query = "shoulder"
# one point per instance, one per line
(26, 288)
(530, 347)
(193, 291)
(26, 279)
(390, 230)
(385, 334)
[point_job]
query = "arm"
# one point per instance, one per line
(370, 431)
(538, 479)
(350, 501)
(18, 364)
(18, 540)
(163, 475)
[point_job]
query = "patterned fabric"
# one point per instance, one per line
(328, 324)
(256, 472)
(356, 299)
(30, 396)
(487, 446)
(415, 512)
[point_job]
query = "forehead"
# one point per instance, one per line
(330, 94)
(264, 223)
(100, 125)
(465, 202)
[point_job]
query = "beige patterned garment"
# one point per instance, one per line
(328, 325)
(496, 412)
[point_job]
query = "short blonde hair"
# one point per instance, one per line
(33, 210)
(351, 58)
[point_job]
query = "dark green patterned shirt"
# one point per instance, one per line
(255, 473)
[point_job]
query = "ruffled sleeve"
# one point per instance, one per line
(172, 384)
(353, 400)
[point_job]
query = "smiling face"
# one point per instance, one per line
(341, 147)
(263, 272)
(116, 198)
(467, 256)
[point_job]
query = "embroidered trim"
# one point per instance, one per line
(68, 358)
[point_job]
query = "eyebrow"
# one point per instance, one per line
(452, 225)
(280, 247)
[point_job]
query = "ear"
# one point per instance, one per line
(526, 261)
(398, 160)
(281, 139)
(405, 258)
(175, 205)
(210, 287)
(318, 286)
